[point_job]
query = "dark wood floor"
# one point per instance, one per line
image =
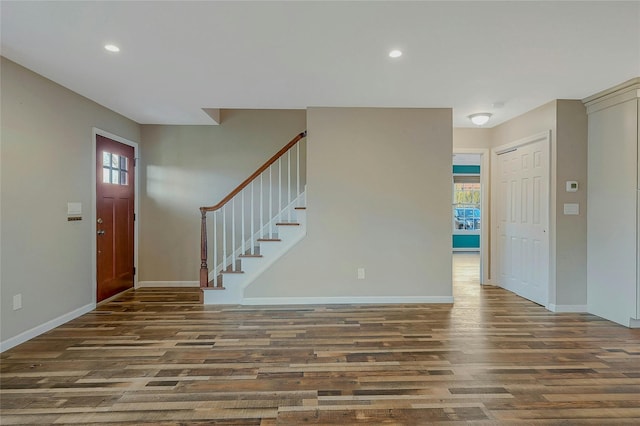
(156, 356)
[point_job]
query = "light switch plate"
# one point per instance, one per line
(74, 208)
(572, 209)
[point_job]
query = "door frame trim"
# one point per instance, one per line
(495, 272)
(94, 242)
(484, 208)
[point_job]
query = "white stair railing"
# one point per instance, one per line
(257, 204)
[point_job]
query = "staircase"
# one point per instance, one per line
(253, 226)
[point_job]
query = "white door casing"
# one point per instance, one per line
(521, 201)
(484, 209)
(94, 279)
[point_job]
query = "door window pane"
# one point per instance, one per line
(115, 169)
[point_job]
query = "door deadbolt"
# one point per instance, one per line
(99, 220)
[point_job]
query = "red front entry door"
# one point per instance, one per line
(115, 208)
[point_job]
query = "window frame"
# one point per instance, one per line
(475, 221)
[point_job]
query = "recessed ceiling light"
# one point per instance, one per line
(112, 48)
(395, 53)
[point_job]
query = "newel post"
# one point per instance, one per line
(204, 270)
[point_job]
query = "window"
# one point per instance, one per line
(114, 169)
(466, 203)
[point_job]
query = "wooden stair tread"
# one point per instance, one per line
(232, 272)
(287, 224)
(299, 208)
(269, 239)
(212, 287)
(250, 255)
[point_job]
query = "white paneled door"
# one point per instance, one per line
(523, 220)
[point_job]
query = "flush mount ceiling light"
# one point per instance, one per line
(112, 48)
(480, 118)
(395, 53)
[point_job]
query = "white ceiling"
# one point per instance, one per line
(179, 57)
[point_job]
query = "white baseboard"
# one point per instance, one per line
(567, 308)
(43, 328)
(345, 300)
(168, 284)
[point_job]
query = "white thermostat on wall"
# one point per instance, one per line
(572, 186)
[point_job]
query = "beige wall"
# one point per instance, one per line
(472, 138)
(186, 167)
(46, 162)
(379, 197)
(571, 231)
(538, 120)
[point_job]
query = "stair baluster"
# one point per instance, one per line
(251, 248)
(289, 184)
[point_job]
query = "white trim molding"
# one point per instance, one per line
(168, 284)
(623, 92)
(387, 300)
(43, 328)
(568, 308)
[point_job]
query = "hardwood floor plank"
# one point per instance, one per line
(156, 356)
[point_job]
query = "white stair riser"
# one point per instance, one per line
(285, 232)
(232, 281)
(269, 249)
(231, 295)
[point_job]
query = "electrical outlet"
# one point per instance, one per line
(361, 273)
(17, 302)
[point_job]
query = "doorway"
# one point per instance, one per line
(469, 224)
(115, 216)
(467, 206)
(521, 211)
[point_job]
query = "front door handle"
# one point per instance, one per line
(101, 232)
